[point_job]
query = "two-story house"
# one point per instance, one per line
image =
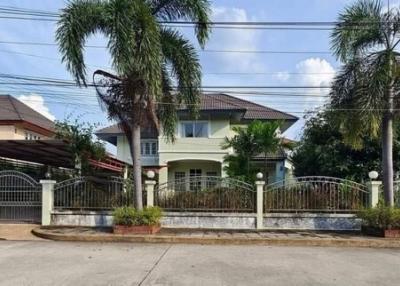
(198, 150)
(20, 122)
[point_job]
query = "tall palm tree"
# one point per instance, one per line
(365, 92)
(147, 56)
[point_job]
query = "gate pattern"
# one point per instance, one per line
(20, 198)
(92, 193)
(315, 194)
(206, 194)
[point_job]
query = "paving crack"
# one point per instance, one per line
(155, 265)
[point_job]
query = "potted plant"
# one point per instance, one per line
(128, 220)
(381, 221)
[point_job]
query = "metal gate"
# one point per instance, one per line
(20, 198)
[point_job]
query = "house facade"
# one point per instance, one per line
(20, 122)
(197, 150)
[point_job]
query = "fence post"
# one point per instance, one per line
(373, 188)
(149, 187)
(260, 192)
(47, 200)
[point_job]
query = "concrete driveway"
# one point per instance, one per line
(64, 263)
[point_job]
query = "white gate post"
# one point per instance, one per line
(260, 193)
(149, 187)
(373, 188)
(47, 200)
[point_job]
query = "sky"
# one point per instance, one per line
(315, 68)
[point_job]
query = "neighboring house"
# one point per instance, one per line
(197, 150)
(18, 121)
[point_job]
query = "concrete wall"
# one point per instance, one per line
(283, 221)
(170, 220)
(308, 221)
(16, 132)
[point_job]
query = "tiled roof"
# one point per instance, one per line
(11, 109)
(221, 101)
(146, 133)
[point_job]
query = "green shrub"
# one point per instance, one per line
(381, 217)
(130, 216)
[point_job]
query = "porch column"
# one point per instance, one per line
(223, 173)
(47, 200)
(163, 175)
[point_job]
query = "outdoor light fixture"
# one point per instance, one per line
(150, 174)
(260, 175)
(373, 175)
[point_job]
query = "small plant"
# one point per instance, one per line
(125, 216)
(381, 217)
(129, 216)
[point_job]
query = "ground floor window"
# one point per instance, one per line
(195, 184)
(180, 183)
(211, 180)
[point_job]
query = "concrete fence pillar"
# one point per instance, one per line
(149, 187)
(47, 200)
(260, 201)
(373, 188)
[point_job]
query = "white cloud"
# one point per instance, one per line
(36, 102)
(282, 76)
(235, 39)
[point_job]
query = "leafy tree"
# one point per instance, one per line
(258, 138)
(147, 56)
(322, 151)
(81, 142)
(365, 92)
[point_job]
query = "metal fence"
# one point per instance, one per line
(20, 197)
(91, 193)
(315, 194)
(206, 194)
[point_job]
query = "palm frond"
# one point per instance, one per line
(78, 21)
(360, 28)
(190, 10)
(182, 57)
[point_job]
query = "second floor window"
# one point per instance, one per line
(148, 148)
(192, 129)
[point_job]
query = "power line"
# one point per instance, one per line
(200, 50)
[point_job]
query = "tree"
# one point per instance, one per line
(148, 58)
(258, 138)
(365, 91)
(323, 152)
(81, 142)
(267, 139)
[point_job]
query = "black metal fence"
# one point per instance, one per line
(315, 194)
(206, 194)
(91, 193)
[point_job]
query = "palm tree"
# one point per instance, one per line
(365, 92)
(147, 56)
(267, 139)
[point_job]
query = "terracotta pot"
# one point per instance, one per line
(376, 231)
(136, 229)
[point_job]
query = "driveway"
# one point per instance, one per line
(67, 263)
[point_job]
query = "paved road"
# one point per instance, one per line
(63, 263)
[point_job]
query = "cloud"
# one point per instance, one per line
(282, 76)
(235, 39)
(36, 102)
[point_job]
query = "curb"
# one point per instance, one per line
(367, 243)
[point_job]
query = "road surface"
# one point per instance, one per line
(71, 263)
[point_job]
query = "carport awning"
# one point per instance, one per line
(48, 152)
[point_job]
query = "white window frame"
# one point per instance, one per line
(181, 129)
(143, 148)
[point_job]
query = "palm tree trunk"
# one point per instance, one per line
(387, 156)
(137, 166)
